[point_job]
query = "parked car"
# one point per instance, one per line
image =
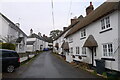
(9, 59)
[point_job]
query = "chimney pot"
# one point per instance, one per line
(89, 9)
(90, 3)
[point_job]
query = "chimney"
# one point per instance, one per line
(39, 34)
(43, 35)
(89, 9)
(74, 20)
(64, 28)
(31, 31)
(17, 24)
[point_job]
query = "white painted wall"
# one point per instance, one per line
(106, 37)
(6, 30)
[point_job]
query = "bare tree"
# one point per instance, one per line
(9, 39)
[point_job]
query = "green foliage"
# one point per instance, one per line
(104, 74)
(9, 46)
(95, 72)
(54, 33)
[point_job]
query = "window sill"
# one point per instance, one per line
(83, 56)
(82, 38)
(106, 30)
(109, 59)
(71, 42)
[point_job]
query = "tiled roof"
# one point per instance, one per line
(101, 11)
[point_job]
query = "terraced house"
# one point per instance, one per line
(13, 33)
(96, 36)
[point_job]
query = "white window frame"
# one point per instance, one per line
(83, 50)
(105, 23)
(70, 40)
(107, 50)
(83, 33)
(77, 50)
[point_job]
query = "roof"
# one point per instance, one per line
(69, 27)
(66, 46)
(57, 45)
(12, 24)
(19, 40)
(90, 42)
(30, 42)
(101, 11)
(35, 36)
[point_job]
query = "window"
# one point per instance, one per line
(83, 33)
(71, 50)
(83, 50)
(70, 40)
(102, 24)
(77, 50)
(107, 49)
(105, 23)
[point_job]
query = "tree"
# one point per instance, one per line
(8, 39)
(55, 33)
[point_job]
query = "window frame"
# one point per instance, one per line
(83, 33)
(77, 50)
(108, 50)
(105, 23)
(83, 50)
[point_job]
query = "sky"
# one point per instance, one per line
(37, 14)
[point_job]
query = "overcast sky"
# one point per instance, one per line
(37, 14)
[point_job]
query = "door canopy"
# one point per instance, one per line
(90, 42)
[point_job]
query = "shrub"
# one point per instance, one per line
(9, 46)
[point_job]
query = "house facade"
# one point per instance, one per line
(97, 37)
(12, 31)
(60, 44)
(34, 42)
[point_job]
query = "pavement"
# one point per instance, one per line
(46, 65)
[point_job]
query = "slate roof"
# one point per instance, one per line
(46, 39)
(19, 40)
(101, 11)
(12, 24)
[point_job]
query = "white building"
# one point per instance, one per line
(34, 42)
(13, 32)
(60, 44)
(97, 36)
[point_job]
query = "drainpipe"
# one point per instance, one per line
(92, 48)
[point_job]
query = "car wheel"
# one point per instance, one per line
(10, 68)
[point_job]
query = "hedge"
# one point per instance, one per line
(9, 46)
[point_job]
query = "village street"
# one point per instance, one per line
(46, 65)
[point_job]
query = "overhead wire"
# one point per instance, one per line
(53, 14)
(69, 11)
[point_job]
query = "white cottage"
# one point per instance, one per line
(13, 32)
(34, 42)
(97, 36)
(60, 44)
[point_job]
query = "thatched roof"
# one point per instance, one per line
(101, 11)
(66, 46)
(57, 45)
(90, 42)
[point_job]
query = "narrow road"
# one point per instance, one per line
(46, 65)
